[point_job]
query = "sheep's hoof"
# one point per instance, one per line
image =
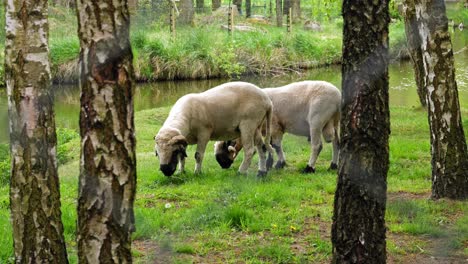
(308, 169)
(333, 166)
(280, 164)
(261, 174)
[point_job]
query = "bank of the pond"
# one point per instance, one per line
(207, 51)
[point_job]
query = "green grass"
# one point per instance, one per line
(225, 217)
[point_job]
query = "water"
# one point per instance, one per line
(402, 88)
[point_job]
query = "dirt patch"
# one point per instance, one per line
(407, 196)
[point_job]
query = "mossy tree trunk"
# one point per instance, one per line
(34, 187)
(186, 12)
(413, 41)
(358, 231)
(448, 144)
(279, 13)
(107, 180)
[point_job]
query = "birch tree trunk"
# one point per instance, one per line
(448, 144)
(34, 189)
(107, 179)
(413, 41)
(358, 231)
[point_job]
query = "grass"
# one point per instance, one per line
(222, 217)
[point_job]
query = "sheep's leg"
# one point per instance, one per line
(276, 143)
(247, 138)
(200, 153)
(261, 149)
(316, 147)
(336, 146)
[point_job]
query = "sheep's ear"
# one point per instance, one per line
(179, 140)
(154, 138)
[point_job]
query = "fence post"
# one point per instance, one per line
(289, 20)
(230, 21)
(172, 21)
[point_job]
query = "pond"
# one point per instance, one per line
(150, 95)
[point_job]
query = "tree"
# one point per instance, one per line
(296, 10)
(107, 178)
(238, 3)
(413, 41)
(186, 12)
(34, 189)
(358, 231)
(448, 144)
(279, 13)
(248, 8)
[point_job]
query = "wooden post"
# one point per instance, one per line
(172, 22)
(289, 20)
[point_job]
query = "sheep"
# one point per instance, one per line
(230, 110)
(307, 108)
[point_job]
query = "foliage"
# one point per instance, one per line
(4, 164)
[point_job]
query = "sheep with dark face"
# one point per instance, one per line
(231, 110)
(308, 108)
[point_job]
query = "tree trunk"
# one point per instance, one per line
(200, 6)
(279, 13)
(108, 165)
(296, 10)
(286, 6)
(448, 144)
(186, 12)
(215, 4)
(358, 232)
(413, 41)
(238, 3)
(248, 8)
(34, 189)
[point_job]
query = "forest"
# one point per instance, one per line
(90, 90)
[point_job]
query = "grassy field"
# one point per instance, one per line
(221, 217)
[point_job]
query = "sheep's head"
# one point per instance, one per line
(225, 153)
(170, 146)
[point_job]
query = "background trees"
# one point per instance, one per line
(448, 144)
(34, 188)
(108, 163)
(358, 232)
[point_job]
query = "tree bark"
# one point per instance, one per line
(279, 13)
(248, 8)
(215, 4)
(186, 12)
(448, 144)
(413, 41)
(358, 231)
(34, 189)
(286, 6)
(296, 10)
(107, 179)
